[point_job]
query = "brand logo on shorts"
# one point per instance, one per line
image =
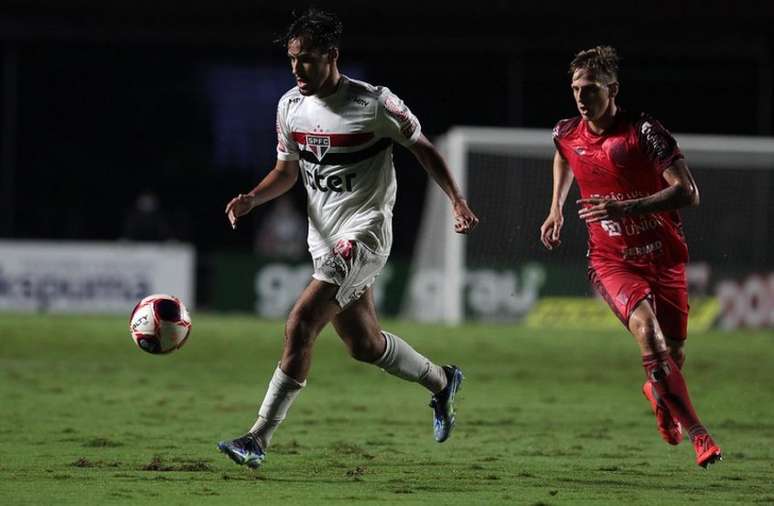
(343, 248)
(318, 145)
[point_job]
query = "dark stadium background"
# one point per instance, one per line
(104, 100)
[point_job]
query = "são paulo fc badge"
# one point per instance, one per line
(318, 145)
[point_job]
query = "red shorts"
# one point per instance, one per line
(624, 286)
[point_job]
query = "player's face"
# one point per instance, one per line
(311, 67)
(592, 94)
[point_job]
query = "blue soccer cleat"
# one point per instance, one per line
(443, 403)
(244, 451)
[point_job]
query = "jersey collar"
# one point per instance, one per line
(336, 95)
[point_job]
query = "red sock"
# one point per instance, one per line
(668, 381)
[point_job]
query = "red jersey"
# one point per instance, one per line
(626, 162)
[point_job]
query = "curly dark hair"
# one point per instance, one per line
(320, 29)
(602, 61)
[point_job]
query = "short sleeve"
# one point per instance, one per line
(555, 136)
(561, 129)
(657, 144)
(396, 120)
(287, 148)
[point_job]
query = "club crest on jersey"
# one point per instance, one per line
(318, 145)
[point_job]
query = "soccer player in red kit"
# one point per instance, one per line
(632, 179)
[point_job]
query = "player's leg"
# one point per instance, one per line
(670, 290)
(359, 328)
(630, 287)
(667, 381)
(676, 351)
(670, 301)
(671, 308)
(315, 307)
(313, 310)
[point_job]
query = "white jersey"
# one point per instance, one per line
(344, 146)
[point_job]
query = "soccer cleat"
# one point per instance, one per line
(443, 403)
(244, 451)
(668, 427)
(707, 452)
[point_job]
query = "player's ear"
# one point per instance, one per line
(613, 89)
(333, 54)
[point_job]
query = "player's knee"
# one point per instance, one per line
(646, 332)
(643, 328)
(366, 350)
(299, 331)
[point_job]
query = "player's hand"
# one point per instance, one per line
(464, 219)
(597, 209)
(238, 206)
(549, 231)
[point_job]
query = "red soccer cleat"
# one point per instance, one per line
(668, 427)
(707, 452)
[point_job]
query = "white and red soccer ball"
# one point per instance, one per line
(160, 323)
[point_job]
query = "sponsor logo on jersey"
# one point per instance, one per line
(647, 223)
(613, 228)
(398, 110)
(317, 181)
(638, 251)
(657, 141)
(318, 144)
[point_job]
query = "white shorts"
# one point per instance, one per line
(352, 266)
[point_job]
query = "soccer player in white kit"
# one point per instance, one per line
(337, 134)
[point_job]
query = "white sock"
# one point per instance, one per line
(403, 361)
(282, 391)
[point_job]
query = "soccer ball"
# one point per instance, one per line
(160, 323)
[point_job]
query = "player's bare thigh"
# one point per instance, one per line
(358, 326)
(644, 326)
(315, 307)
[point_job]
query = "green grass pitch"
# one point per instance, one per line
(543, 418)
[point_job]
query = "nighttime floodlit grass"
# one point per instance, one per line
(543, 418)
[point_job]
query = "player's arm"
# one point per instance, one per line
(278, 181)
(551, 228)
(681, 192)
(432, 161)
